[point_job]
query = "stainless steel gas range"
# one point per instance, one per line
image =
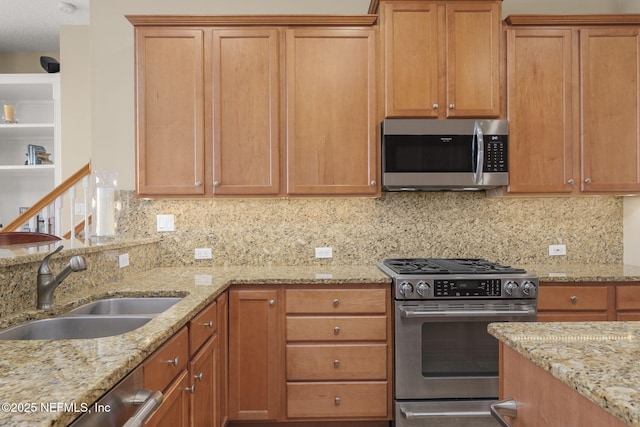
(446, 363)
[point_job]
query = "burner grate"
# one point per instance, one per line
(448, 266)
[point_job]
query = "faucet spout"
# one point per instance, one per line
(47, 282)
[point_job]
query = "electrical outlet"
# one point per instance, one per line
(165, 223)
(203, 253)
(324, 252)
(123, 260)
(555, 250)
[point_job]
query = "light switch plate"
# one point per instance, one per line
(165, 223)
(555, 250)
(203, 253)
(324, 252)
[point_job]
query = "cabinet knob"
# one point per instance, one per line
(209, 324)
(272, 302)
(336, 330)
(337, 401)
(174, 362)
(336, 363)
(198, 183)
(452, 106)
(574, 299)
(570, 182)
(198, 377)
(216, 183)
(336, 302)
(191, 389)
(373, 183)
(435, 106)
(588, 180)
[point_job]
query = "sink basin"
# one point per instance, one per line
(126, 306)
(78, 327)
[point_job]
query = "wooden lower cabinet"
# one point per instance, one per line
(174, 410)
(203, 373)
(543, 400)
(588, 301)
(310, 354)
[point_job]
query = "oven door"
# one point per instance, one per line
(443, 349)
(461, 413)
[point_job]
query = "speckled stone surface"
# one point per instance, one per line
(363, 231)
(81, 371)
(597, 359)
(584, 272)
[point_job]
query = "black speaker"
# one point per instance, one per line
(49, 64)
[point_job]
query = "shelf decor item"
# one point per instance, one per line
(34, 154)
(8, 112)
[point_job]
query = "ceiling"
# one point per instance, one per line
(34, 25)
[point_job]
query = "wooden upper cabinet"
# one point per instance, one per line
(442, 59)
(610, 88)
(331, 119)
(541, 68)
(246, 75)
(170, 88)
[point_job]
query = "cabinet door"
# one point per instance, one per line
(170, 87)
(540, 70)
(332, 141)
(246, 114)
(411, 52)
(610, 109)
(473, 59)
(174, 410)
(255, 353)
(223, 358)
(203, 371)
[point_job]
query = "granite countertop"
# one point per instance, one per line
(597, 359)
(582, 272)
(81, 371)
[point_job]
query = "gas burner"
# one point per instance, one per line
(448, 266)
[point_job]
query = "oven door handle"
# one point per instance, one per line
(411, 415)
(465, 313)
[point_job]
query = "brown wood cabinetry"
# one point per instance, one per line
(219, 98)
(573, 113)
(331, 116)
(312, 354)
(441, 59)
(543, 400)
(174, 410)
(588, 301)
(255, 354)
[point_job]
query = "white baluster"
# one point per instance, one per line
(87, 206)
(58, 204)
(72, 213)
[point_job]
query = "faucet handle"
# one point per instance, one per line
(44, 266)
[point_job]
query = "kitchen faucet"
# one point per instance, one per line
(47, 283)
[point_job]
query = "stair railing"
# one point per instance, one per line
(46, 215)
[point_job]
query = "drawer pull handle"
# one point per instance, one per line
(209, 324)
(336, 330)
(191, 389)
(336, 302)
(337, 401)
(198, 377)
(574, 299)
(336, 363)
(174, 362)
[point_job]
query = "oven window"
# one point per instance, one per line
(453, 349)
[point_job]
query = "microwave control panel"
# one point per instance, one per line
(495, 153)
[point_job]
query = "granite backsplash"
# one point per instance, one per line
(366, 230)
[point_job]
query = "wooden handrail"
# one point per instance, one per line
(48, 199)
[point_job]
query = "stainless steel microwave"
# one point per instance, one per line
(431, 155)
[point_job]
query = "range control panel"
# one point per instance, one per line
(517, 286)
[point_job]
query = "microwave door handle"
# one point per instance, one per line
(478, 141)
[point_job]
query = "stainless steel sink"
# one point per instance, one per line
(126, 306)
(77, 327)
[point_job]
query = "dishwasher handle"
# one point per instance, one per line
(149, 401)
(506, 407)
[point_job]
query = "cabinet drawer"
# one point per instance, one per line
(568, 298)
(337, 362)
(628, 298)
(167, 362)
(202, 327)
(339, 301)
(337, 400)
(338, 328)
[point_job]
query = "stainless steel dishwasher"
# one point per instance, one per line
(127, 404)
